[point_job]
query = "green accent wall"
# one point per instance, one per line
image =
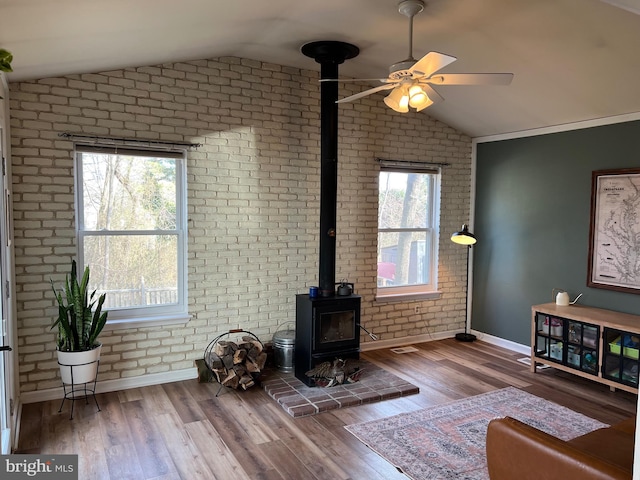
(532, 214)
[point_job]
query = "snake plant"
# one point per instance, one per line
(5, 60)
(80, 317)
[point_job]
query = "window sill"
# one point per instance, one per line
(155, 321)
(407, 297)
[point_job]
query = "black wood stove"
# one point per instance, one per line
(326, 329)
(327, 326)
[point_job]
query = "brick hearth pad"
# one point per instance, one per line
(299, 400)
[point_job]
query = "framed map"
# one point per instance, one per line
(614, 243)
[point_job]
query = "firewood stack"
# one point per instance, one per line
(237, 365)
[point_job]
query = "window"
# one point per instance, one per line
(408, 212)
(131, 230)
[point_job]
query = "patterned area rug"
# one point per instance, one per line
(448, 441)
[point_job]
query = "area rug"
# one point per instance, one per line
(448, 441)
(298, 400)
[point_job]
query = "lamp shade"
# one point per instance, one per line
(464, 237)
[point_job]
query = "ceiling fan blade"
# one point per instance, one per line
(471, 79)
(365, 93)
(352, 80)
(431, 63)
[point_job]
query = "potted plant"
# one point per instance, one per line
(80, 321)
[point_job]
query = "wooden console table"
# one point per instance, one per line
(601, 345)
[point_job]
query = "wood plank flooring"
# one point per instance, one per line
(183, 431)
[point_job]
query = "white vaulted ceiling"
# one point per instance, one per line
(573, 60)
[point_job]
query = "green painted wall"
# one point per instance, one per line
(532, 217)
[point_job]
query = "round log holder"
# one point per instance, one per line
(215, 363)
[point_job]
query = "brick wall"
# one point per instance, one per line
(253, 195)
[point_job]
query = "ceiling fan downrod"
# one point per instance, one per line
(408, 8)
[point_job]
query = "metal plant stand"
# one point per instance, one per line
(73, 391)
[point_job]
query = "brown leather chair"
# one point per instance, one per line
(518, 451)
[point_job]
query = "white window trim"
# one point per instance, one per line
(147, 321)
(420, 291)
(144, 316)
(408, 297)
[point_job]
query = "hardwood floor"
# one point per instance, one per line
(183, 431)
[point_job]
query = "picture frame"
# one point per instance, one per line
(614, 231)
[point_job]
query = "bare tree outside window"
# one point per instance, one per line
(406, 227)
(129, 231)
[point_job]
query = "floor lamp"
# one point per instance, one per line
(465, 237)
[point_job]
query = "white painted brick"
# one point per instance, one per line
(253, 201)
(125, 365)
(108, 360)
(122, 347)
(36, 377)
(158, 368)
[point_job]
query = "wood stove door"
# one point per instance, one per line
(336, 325)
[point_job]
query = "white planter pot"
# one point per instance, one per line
(79, 367)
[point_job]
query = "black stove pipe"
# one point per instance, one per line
(329, 55)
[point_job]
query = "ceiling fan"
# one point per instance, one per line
(411, 80)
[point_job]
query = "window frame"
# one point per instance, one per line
(427, 290)
(141, 315)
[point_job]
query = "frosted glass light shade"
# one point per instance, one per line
(398, 100)
(417, 96)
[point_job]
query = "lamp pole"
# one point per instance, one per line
(466, 336)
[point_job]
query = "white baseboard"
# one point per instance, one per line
(501, 342)
(114, 385)
(485, 337)
(402, 341)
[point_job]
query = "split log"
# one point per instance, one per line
(253, 342)
(220, 374)
(261, 360)
(246, 381)
(251, 366)
(240, 370)
(231, 380)
(239, 356)
(227, 360)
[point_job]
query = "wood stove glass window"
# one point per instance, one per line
(337, 326)
(408, 213)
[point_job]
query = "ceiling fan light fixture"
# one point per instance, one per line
(417, 97)
(426, 104)
(411, 80)
(398, 100)
(404, 103)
